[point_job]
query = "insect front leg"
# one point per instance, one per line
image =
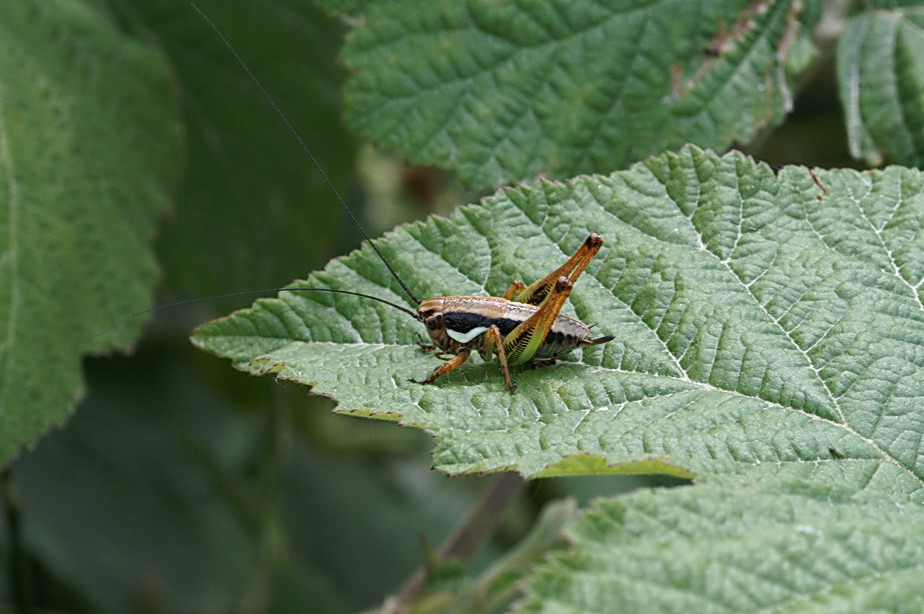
(426, 347)
(460, 357)
(432, 347)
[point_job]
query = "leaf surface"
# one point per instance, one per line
(760, 318)
(806, 543)
(500, 92)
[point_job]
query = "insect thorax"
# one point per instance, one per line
(452, 321)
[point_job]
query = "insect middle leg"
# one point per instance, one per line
(460, 357)
(513, 289)
(494, 341)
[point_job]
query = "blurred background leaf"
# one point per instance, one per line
(881, 78)
(250, 207)
(500, 92)
(180, 502)
(86, 168)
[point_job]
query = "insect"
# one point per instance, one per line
(525, 326)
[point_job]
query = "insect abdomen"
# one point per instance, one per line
(566, 334)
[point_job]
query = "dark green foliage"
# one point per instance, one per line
(768, 320)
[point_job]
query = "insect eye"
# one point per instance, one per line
(434, 320)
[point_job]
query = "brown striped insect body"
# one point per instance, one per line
(525, 326)
(456, 322)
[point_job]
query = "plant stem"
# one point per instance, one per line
(465, 539)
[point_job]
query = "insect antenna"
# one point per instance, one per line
(249, 293)
(305, 148)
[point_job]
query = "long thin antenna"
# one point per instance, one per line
(304, 147)
(250, 292)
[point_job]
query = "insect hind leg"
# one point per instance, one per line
(524, 341)
(539, 290)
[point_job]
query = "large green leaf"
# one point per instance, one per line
(759, 317)
(87, 143)
(806, 543)
(881, 78)
(501, 91)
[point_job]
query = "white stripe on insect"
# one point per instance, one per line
(466, 337)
